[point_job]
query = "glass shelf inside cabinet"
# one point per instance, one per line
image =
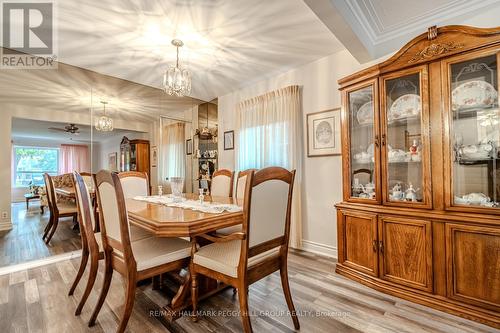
(361, 120)
(404, 139)
(475, 132)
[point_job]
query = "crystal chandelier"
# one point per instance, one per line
(104, 123)
(177, 80)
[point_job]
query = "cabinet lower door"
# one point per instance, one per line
(473, 264)
(359, 242)
(406, 252)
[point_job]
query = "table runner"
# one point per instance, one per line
(205, 207)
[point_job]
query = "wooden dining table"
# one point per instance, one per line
(165, 221)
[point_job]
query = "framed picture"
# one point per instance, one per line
(154, 156)
(112, 161)
(323, 133)
(189, 147)
(229, 140)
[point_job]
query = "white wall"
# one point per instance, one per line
(322, 178)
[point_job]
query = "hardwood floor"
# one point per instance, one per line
(36, 301)
(24, 241)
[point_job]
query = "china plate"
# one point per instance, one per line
(406, 106)
(365, 114)
(473, 94)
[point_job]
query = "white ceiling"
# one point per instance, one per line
(39, 130)
(228, 43)
(384, 26)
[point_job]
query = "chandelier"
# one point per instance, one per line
(104, 123)
(177, 80)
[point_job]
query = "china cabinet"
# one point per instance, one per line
(134, 155)
(420, 217)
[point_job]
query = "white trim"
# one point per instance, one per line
(5, 225)
(367, 17)
(318, 248)
(40, 262)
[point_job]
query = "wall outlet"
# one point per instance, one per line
(5, 215)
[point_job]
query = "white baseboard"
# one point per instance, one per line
(318, 248)
(5, 225)
(40, 262)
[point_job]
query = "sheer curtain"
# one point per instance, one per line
(74, 158)
(268, 134)
(173, 151)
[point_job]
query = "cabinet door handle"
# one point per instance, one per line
(381, 246)
(383, 139)
(374, 243)
(376, 141)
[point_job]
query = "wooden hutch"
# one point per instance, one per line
(134, 155)
(420, 217)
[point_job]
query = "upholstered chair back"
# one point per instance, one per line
(222, 183)
(241, 182)
(134, 184)
(84, 204)
(88, 180)
(114, 218)
(271, 198)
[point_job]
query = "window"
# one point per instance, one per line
(30, 163)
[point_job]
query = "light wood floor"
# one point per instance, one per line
(36, 301)
(24, 242)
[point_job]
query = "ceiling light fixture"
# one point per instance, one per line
(177, 80)
(104, 123)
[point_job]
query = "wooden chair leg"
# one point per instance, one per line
(288, 295)
(94, 264)
(108, 274)
(83, 264)
(245, 316)
(194, 294)
(129, 304)
(55, 223)
(48, 226)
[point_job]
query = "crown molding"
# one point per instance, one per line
(367, 18)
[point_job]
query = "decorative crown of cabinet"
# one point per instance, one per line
(420, 217)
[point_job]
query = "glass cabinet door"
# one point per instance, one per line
(474, 132)
(405, 138)
(363, 150)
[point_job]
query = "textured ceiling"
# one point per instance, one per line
(228, 43)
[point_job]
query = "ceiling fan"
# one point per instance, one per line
(71, 128)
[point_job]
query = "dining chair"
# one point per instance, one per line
(222, 183)
(89, 179)
(91, 242)
(57, 209)
(238, 194)
(135, 261)
(134, 184)
(261, 248)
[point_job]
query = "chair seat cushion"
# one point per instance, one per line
(137, 233)
(66, 208)
(155, 251)
(224, 257)
(98, 239)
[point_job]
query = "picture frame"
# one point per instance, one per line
(113, 162)
(323, 133)
(189, 147)
(154, 156)
(229, 140)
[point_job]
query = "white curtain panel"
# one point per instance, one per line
(269, 132)
(173, 154)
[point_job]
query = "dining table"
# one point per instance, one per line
(166, 221)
